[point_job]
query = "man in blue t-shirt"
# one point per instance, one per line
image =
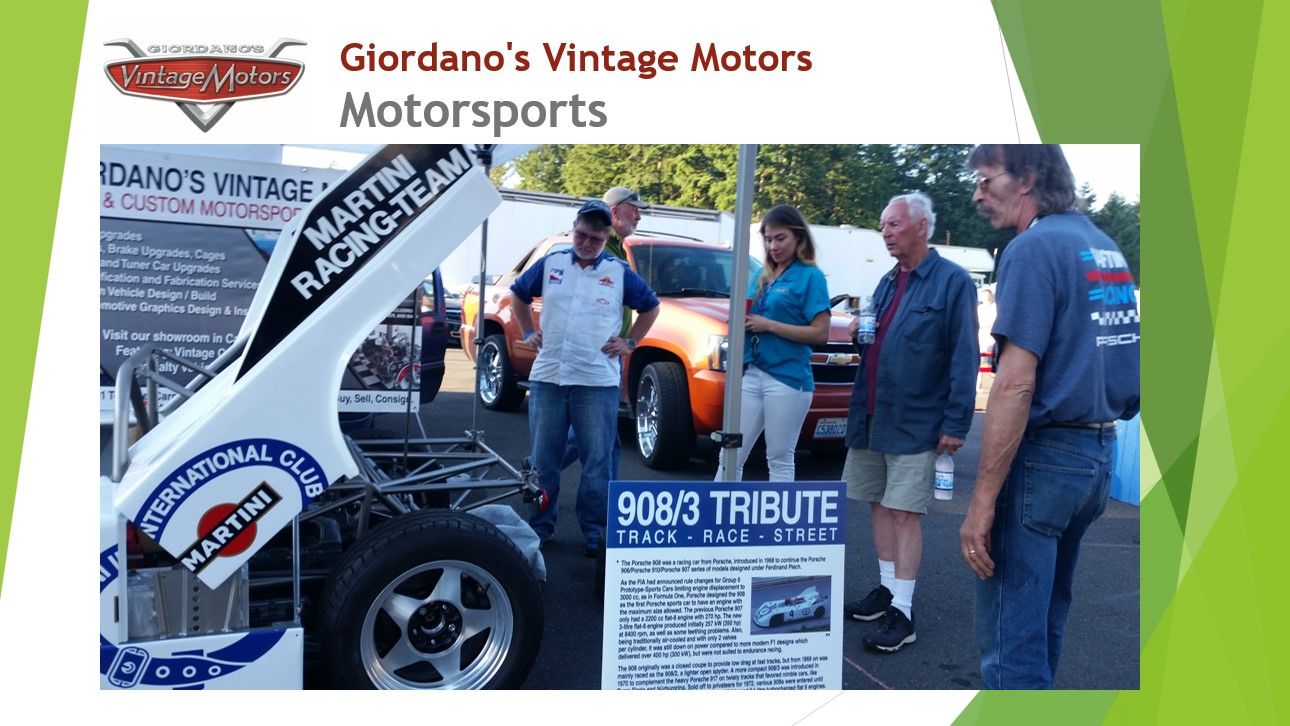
(1068, 335)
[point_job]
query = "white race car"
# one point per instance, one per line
(807, 604)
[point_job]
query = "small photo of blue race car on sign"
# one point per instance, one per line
(790, 605)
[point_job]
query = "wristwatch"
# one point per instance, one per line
(631, 344)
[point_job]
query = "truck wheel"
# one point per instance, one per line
(664, 426)
(431, 600)
(498, 388)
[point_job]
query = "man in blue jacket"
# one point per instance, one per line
(913, 399)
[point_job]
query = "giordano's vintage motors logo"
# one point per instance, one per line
(204, 80)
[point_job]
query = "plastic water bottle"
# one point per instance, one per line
(944, 478)
(868, 322)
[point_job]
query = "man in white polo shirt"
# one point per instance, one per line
(575, 378)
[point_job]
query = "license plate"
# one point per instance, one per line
(830, 428)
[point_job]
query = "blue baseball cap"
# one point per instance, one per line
(596, 206)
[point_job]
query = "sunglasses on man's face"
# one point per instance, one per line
(983, 182)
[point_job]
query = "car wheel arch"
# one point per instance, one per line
(491, 327)
(651, 353)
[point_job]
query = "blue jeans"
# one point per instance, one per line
(1056, 488)
(571, 453)
(592, 413)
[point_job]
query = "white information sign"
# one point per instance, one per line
(724, 585)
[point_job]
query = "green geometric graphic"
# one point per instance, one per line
(39, 114)
(1202, 86)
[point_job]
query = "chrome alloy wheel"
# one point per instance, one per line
(647, 416)
(490, 373)
(444, 625)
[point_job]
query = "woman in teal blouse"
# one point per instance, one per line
(789, 314)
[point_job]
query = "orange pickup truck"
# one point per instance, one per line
(674, 382)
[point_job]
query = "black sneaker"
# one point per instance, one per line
(872, 607)
(896, 632)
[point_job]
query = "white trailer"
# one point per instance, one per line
(978, 261)
(852, 259)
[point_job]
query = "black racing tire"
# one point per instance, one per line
(431, 600)
(626, 428)
(499, 388)
(819, 612)
(664, 424)
(776, 620)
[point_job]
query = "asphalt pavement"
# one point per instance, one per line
(1102, 637)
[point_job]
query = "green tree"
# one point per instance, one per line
(1121, 222)
(940, 171)
(877, 177)
(542, 169)
(792, 174)
(830, 184)
(690, 175)
(706, 175)
(1085, 198)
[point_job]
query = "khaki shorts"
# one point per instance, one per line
(898, 481)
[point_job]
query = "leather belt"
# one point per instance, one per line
(1080, 425)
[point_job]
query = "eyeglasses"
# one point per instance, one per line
(983, 182)
(630, 198)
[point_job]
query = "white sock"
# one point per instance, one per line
(887, 574)
(903, 597)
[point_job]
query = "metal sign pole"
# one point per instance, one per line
(484, 152)
(731, 438)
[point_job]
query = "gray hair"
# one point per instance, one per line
(920, 207)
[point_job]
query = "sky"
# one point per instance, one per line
(1107, 168)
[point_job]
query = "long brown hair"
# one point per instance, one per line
(786, 215)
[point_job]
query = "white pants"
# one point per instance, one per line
(779, 410)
